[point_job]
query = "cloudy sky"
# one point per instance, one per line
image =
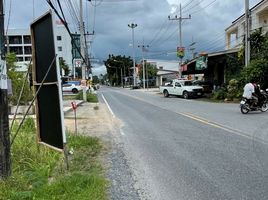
(109, 20)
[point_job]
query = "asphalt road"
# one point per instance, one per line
(190, 149)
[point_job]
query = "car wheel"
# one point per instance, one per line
(185, 95)
(75, 91)
(166, 94)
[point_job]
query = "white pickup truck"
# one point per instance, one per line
(183, 88)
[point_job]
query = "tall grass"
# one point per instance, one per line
(39, 172)
(93, 98)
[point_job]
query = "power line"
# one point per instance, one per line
(195, 5)
(204, 7)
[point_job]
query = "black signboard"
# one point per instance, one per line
(48, 103)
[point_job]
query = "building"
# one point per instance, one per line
(166, 70)
(19, 42)
(235, 33)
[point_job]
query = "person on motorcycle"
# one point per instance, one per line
(249, 92)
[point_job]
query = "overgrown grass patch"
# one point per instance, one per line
(39, 172)
(91, 97)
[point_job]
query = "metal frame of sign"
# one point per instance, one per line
(51, 135)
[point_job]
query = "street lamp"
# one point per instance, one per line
(132, 26)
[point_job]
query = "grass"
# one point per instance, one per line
(39, 172)
(92, 98)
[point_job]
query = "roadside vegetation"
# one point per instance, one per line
(91, 97)
(39, 172)
(237, 75)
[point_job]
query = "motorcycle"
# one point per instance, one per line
(247, 105)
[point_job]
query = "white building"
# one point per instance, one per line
(166, 70)
(235, 33)
(19, 42)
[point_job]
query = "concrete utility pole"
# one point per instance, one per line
(143, 67)
(82, 48)
(132, 26)
(5, 161)
(247, 35)
(180, 18)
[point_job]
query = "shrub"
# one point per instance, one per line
(219, 94)
(233, 90)
(90, 97)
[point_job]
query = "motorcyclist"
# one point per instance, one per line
(249, 92)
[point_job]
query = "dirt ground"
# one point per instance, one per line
(93, 119)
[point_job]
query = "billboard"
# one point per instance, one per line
(201, 62)
(46, 82)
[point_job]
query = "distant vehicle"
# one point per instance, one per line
(207, 86)
(183, 88)
(71, 88)
(74, 82)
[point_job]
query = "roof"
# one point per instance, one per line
(235, 50)
(237, 19)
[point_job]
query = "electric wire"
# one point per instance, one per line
(9, 15)
(158, 33)
(187, 4)
(63, 16)
(195, 5)
(206, 6)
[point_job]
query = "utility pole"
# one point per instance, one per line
(82, 48)
(5, 161)
(180, 18)
(132, 26)
(247, 35)
(143, 66)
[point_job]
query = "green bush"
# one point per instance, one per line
(219, 94)
(93, 98)
(233, 90)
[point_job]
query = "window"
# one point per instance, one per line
(15, 39)
(28, 50)
(58, 37)
(27, 39)
(28, 58)
(59, 48)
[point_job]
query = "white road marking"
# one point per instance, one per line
(111, 111)
(122, 133)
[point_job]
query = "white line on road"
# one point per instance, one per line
(122, 133)
(108, 105)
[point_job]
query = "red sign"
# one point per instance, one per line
(74, 106)
(184, 67)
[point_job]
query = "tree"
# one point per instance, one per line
(258, 67)
(95, 79)
(64, 66)
(150, 69)
(17, 80)
(117, 68)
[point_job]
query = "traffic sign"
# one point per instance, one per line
(77, 63)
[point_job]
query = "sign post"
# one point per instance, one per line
(74, 107)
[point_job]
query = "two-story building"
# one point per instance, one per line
(234, 34)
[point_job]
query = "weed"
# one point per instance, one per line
(38, 172)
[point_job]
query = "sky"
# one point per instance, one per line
(109, 20)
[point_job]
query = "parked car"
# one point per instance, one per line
(71, 88)
(183, 88)
(207, 86)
